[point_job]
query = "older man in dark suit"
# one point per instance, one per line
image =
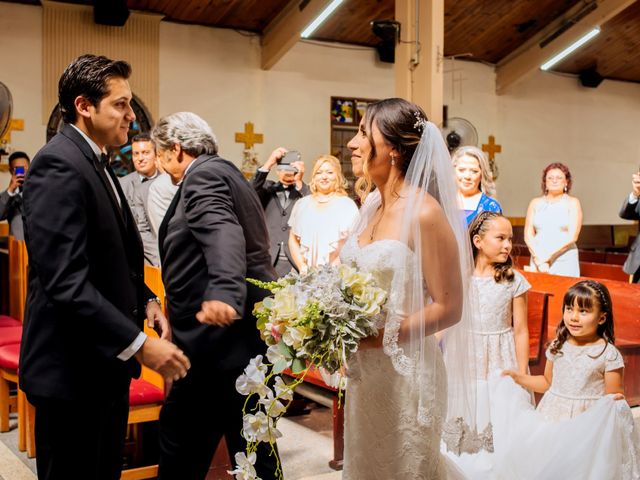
(86, 301)
(212, 238)
(278, 199)
(631, 211)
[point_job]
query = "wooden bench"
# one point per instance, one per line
(588, 269)
(626, 310)
(537, 321)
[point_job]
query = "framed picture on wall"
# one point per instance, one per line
(342, 111)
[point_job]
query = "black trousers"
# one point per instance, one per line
(80, 439)
(198, 411)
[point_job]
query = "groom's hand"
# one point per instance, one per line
(215, 312)
(163, 357)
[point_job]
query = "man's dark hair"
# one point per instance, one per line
(141, 137)
(87, 76)
(16, 156)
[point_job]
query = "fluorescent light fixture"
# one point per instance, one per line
(320, 18)
(570, 49)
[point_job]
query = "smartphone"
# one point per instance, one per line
(285, 162)
(19, 170)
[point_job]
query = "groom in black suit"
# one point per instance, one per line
(86, 300)
(212, 238)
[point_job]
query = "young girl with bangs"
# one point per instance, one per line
(582, 427)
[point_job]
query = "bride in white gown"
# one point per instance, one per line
(411, 236)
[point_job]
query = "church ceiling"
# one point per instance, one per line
(481, 30)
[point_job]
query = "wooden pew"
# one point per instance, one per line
(626, 301)
(587, 269)
(537, 321)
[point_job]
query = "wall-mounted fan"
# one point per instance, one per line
(6, 106)
(458, 132)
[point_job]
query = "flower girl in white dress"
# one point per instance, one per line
(500, 326)
(582, 429)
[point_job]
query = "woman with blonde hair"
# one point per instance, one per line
(475, 182)
(319, 221)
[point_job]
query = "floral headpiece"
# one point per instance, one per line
(421, 123)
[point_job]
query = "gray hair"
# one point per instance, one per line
(487, 185)
(186, 129)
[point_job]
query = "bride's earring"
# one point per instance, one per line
(393, 160)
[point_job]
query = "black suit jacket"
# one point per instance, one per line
(277, 217)
(632, 212)
(86, 295)
(212, 238)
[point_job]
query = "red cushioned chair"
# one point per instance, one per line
(9, 335)
(9, 355)
(145, 402)
(6, 321)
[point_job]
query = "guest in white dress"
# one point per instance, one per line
(321, 220)
(583, 428)
(553, 225)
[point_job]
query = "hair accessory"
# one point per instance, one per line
(421, 123)
(603, 298)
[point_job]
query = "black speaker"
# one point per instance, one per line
(590, 78)
(388, 32)
(110, 12)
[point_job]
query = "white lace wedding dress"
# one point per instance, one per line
(383, 438)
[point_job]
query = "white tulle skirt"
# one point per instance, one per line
(598, 444)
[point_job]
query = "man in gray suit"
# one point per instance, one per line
(11, 198)
(631, 211)
(136, 189)
(278, 199)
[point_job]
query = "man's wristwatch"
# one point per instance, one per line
(154, 299)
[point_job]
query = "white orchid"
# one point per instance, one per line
(283, 391)
(244, 467)
(273, 406)
(253, 378)
(259, 428)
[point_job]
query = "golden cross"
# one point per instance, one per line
(15, 124)
(248, 137)
(492, 147)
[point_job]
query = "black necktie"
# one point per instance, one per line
(104, 160)
(145, 179)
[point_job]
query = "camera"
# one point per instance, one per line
(285, 162)
(19, 170)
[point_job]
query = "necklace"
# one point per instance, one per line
(375, 225)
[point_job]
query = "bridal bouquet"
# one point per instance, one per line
(316, 319)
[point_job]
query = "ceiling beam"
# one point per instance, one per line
(284, 31)
(528, 58)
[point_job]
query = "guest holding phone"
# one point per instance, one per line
(324, 218)
(11, 198)
(278, 199)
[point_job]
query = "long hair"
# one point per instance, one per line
(487, 185)
(590, 295)
(480, 226)
(396, 120)
(341, 182)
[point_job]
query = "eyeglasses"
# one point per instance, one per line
(553, 178)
